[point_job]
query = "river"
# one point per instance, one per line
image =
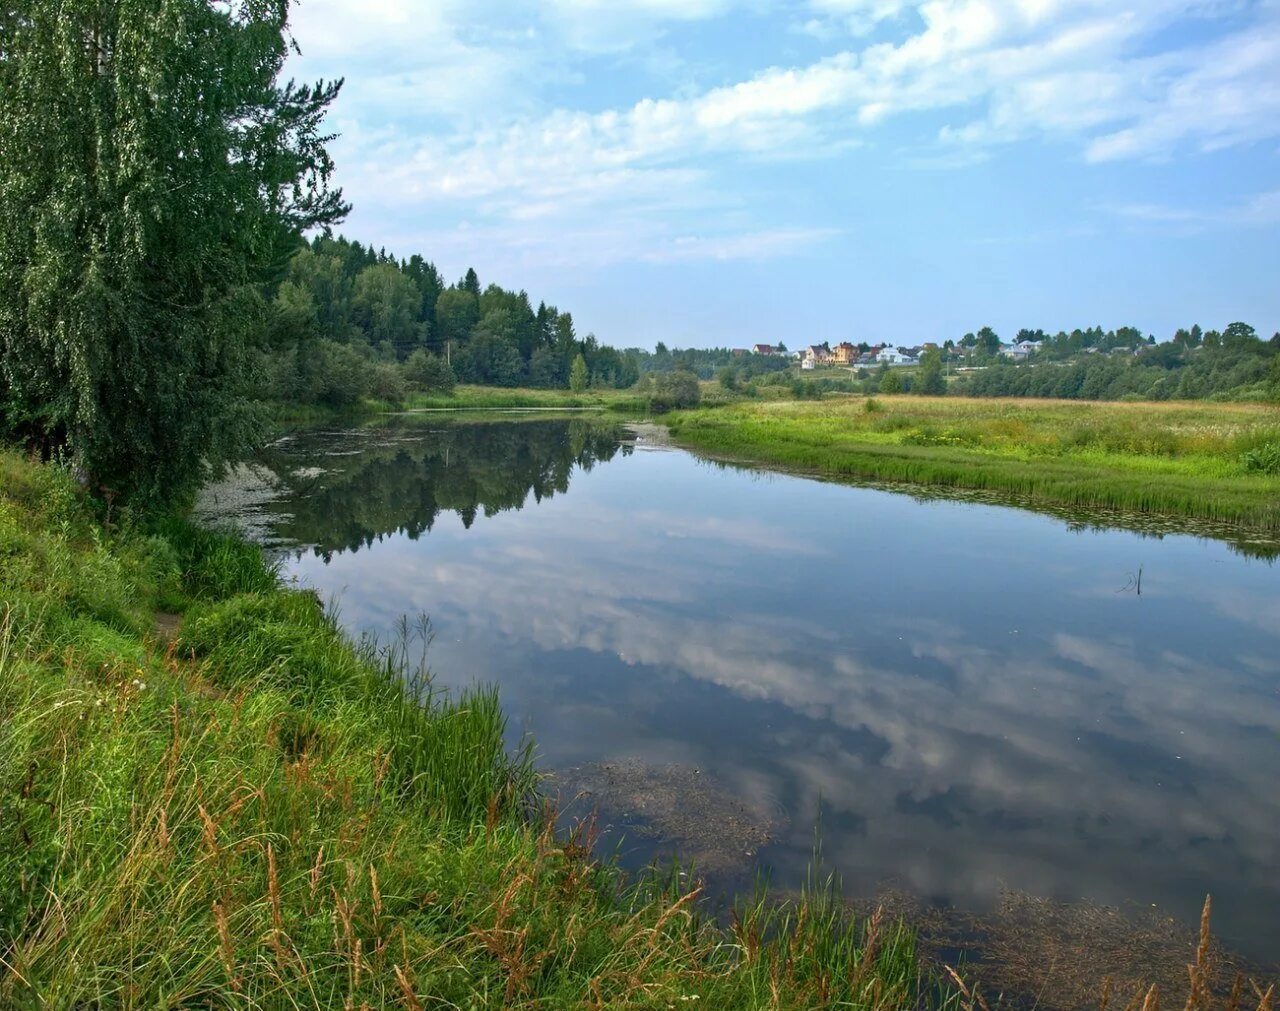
(959, 699)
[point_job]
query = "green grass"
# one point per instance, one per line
(262, 814)
(1194, 460)
(492, 398)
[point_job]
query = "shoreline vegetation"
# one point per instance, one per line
(1201, 461)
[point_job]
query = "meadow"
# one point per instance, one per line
(1206, 461)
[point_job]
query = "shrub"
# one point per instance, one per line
(387, 383)
(1264, 459)
(891, 382)
(426, 371)
(336, 375)
(675, 391)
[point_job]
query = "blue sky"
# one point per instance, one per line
(732, 171)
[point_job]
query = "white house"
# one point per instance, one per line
(894, 356)
(1020, 351)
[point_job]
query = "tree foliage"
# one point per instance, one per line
(929, 381)
(1097, 365)
(578, 376)
(390, 309)
(152, 169)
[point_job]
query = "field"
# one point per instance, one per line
(1214, 462)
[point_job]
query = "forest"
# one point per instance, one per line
(346, 322)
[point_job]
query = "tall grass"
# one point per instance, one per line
(498, 398)
(1205, 461)
(259, 813)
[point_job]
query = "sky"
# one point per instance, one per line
(728, 172)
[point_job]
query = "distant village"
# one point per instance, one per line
(865, 355)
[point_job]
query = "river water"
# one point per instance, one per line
(957, 698)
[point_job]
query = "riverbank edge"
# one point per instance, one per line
(222, 798)
(726, 436)
(461, 399)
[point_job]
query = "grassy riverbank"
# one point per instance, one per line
(464, 398)
(210, 798)
(496, 398)
(1217, 462)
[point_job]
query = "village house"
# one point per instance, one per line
(894, 356)
(764, 349)
(844, 353)
(816, 354)
(1019, 352)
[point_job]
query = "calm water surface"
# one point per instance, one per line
(967, 697)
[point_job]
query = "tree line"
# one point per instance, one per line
(1234, 363)
(352, 321)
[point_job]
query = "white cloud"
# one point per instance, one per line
(857, 17)
(1259, 211)
(1226, 95)
(444, 115)
(616, 25)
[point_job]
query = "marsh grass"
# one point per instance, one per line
(259, 813)
(498, 398)
(1205, 461)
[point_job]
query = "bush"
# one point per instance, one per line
(386, 382)
(336, 375)
(1264, 459)
(675, 391)
(425, 371)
